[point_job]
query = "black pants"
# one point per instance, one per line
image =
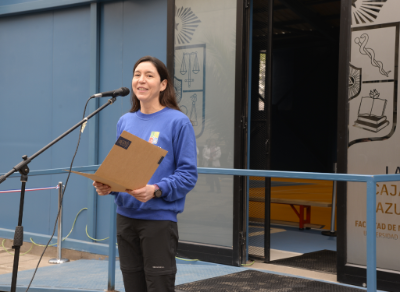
(147, 251)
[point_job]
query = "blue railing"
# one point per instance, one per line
(371, 181)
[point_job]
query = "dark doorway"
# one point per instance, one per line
(299, 118)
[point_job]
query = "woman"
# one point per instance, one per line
(147, 231)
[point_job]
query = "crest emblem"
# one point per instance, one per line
(189, 83)
(190, 69)
(354, 81)
(373, 94)
(178, 89)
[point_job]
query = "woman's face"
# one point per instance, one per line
(146, 83)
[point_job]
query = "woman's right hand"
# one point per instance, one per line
(101, 189)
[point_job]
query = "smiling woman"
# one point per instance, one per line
(147, 230)
(152, 88)
(146, 85)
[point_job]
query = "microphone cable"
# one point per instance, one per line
(62, 197)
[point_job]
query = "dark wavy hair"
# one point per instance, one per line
(167, 97)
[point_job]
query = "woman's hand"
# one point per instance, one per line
(101, 189)
(144, 194)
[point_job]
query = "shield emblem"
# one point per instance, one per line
(373, 94)
(189, 83)
(178, 89)
(355, 78)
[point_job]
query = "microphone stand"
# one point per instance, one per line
(23, 169)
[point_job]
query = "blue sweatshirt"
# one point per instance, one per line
(177, 173)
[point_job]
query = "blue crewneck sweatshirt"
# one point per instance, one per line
(177, 173)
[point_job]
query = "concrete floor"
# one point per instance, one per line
(26, 262)
(29, 261)
(258, 265)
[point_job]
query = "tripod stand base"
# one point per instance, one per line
(58, 261)
(329, 233)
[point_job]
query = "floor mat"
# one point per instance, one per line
(252, 280)
(319, 261)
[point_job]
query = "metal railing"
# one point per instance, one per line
(370, 180)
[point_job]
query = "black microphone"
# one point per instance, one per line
(123, 91)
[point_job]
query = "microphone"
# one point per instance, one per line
(123, 91)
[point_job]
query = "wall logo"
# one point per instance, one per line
(373, 82)
(186, 23)
(190, 69)
(190, 83)
(366, 11)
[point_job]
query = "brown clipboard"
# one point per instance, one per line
(130, 164)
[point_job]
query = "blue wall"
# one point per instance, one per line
(44, 72)
(129, 30)
(45, 75)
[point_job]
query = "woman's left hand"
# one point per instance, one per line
(143, 194)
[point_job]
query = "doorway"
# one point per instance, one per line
(298, 120)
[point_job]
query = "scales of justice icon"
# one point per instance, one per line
(195, 68)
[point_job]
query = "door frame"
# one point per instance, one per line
(267, 112)
(236, 255)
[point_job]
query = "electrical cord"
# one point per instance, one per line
(87, 234)
(54, 244)
(187, 260)
(72, 228)
(73, 225)
(62, 198)
(2, 244)
(247, 265)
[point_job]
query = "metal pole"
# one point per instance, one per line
(19, 230)
(332, 232)
(371, 236)
(267, 110)
(59, 259)
(111, 248)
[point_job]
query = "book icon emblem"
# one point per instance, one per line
(371, 113)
